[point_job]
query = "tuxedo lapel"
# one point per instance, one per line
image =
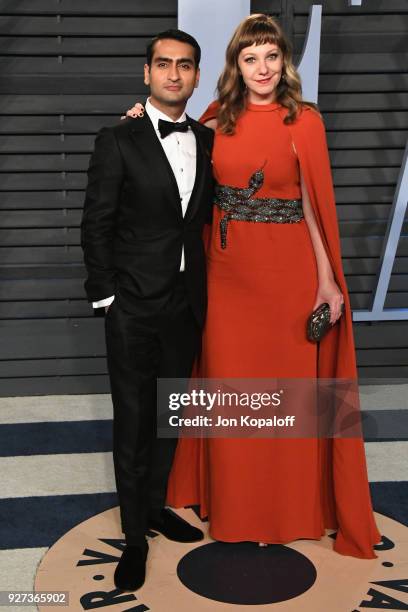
(200, 175)
(150, 149)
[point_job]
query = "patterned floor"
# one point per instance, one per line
(56, 472)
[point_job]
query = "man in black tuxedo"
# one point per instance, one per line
(149, 194)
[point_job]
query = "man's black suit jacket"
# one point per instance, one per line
(133, 229)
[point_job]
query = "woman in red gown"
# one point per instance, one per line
(264, 280)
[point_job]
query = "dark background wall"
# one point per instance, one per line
(67, 68)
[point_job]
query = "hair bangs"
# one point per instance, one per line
(258, 33)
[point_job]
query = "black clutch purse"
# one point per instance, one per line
(318, 324)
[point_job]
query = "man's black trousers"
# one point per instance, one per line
(140, 350)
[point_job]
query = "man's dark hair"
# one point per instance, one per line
(174, 35)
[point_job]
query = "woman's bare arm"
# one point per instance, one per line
(211, 123)
(328, 290)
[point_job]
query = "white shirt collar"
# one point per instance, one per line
(155, 114)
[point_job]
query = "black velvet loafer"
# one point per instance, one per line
(130, 572)
(174, 527)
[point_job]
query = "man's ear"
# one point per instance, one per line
(197, 81)
(146, 74)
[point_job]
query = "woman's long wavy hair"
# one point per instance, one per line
(257, 29)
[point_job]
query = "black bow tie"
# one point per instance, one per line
(167, 127)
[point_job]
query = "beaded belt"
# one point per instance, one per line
(241, 206)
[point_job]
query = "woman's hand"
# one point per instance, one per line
(328, 291)
(136, 111)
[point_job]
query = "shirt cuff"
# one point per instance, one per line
(106, 302)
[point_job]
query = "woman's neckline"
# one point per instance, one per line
(262, 107)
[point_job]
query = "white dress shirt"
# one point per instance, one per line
(181, 151)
